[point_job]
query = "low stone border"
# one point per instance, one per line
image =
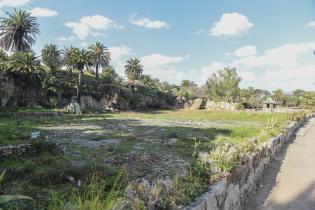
(16, 150)
(40, 114)
(232, 192)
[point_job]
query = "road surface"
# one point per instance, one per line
(289, 182)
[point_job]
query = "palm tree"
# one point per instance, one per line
(100, 56)
(3, 60)
(133, 69)
(25, 66)
(51, 57)
(18, 31)
(77, 59)
(67, 60)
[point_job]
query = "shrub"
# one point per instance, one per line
(166, 193)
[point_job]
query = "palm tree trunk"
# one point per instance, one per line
(79, 85)
(96, 71)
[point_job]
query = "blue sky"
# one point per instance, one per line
(269, 42)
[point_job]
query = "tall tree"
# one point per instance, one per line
(18, 31)
(77, 59)
(100, 56)
(67, 60)
(51, 57)
(3, 61)
(224, 85)
(280, 97)
(133, 69)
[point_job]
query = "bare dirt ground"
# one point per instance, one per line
(289, 182)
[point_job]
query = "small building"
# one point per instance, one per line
(269, 104)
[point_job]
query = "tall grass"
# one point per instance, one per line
(92, 196)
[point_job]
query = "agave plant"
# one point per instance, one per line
(73, 108)
(7, 198)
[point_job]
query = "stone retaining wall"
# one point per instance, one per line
(16, 150)
(231, 193)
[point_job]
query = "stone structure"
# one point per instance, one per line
(232, 192)
(269, 105)
(199, 103)
(18, 94)
(16, 150)
(105, 103)
(212, 105)
(182, 102)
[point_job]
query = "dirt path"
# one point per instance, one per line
(289, 182)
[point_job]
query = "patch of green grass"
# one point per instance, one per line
(158, 140)
(202, 115)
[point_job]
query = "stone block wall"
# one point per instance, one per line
(220, 105)
(232, 192)
(16, 150)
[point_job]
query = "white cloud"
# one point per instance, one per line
(231, 24)
(13, 3)
(119, 55)
(288, 78)
(119, 52)
(248, 50)
(247, 76)
(66, 39)
(289, 66)
(311, 24)
(43, 12)
(147, 23)
(285, 55)
(158, 60)
(91, 25)
(162, 67)
(201, 75)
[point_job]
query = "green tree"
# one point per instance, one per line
(133, 69)
(109, 75)
(100, 56)
(188, 83)
(51, 57)
(77, 59)
(3, 61)
(280, 97)
(148, 81)
(224, 85)
(18, 31)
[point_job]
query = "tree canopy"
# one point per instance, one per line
(18, 31)
(224, 85)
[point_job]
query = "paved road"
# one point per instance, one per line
(289, 182)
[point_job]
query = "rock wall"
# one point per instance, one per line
(220, 105)
(198, 103)
(17, 95)
(232, 192)
(105, 103)
(16, 150)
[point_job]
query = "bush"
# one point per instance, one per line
(167, 193)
